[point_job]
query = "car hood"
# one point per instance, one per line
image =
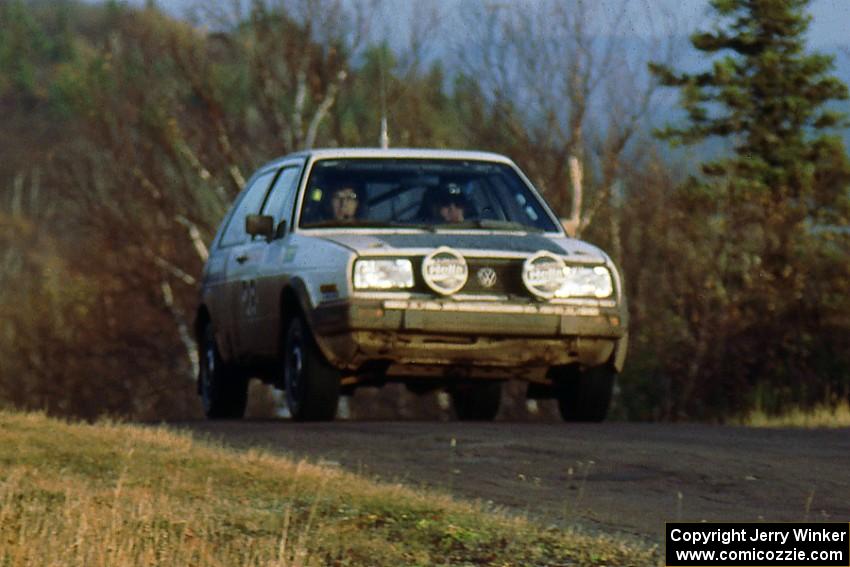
(526, 244)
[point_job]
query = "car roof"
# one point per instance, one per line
(408, 153)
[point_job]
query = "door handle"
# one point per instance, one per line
(242, 259)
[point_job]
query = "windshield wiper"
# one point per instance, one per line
(491, 224)
(484, 224)
(367, 223)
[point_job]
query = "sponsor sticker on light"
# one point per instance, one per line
(544, 274)
(445, 271)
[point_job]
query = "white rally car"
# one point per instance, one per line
(341, 268)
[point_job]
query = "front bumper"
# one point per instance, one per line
(434, 337)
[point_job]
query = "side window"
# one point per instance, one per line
(279, 203)
(250, 203)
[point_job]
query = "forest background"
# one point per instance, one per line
(127, 132)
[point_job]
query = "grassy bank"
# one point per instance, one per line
(821, 417)
(113, 495)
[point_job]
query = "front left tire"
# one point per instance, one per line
(223, 388)
(312, 384)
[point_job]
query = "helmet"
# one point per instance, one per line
(448, 194)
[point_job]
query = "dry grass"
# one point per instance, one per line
(821, 417)
(112, 495)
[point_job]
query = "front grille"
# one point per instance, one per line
(508, 277)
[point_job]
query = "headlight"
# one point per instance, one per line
(586, 281)
(547, 276)
(383, 274)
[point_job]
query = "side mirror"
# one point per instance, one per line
(260, 225)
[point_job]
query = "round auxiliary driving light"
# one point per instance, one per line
(544, 274)
(445, 271)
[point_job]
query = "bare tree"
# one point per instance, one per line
(298, 55)
(163, 151)
(566, 80)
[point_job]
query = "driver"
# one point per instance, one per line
(344, 203)
(450, 205)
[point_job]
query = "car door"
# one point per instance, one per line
(243, 257)
(264, 327)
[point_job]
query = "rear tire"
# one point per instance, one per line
(477, 402)
(585, 395)
(312, 384)
(223, 389)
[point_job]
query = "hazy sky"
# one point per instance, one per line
(830, 26)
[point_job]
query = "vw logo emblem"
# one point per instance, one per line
(486, 277)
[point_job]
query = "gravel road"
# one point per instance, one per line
(615, 477)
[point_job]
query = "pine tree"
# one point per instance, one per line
(770, 97)
(786, 177)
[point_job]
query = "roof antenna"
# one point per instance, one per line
(385, 135)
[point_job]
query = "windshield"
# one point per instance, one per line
(417, 193)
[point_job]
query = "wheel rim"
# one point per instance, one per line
(207, 370)
(294, 371)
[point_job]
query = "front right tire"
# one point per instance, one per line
(312, 384)
(223, 389)
(584, 395)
